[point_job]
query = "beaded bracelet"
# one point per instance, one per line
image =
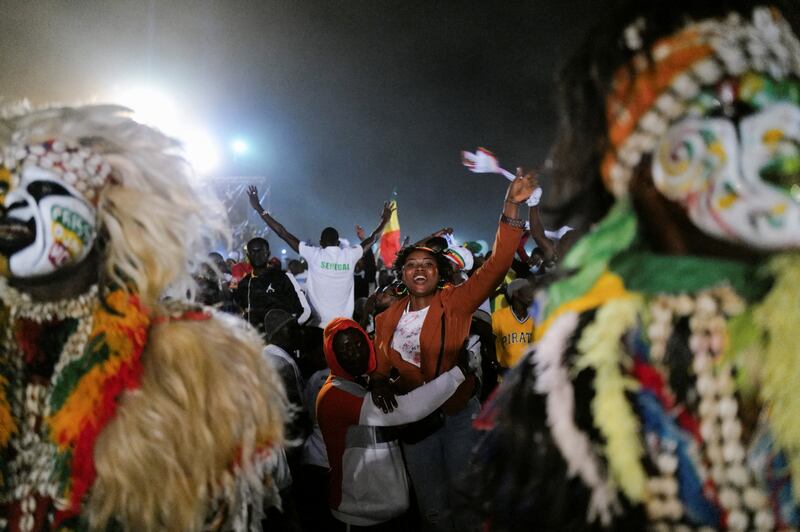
(513, 222)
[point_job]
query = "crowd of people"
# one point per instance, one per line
(637, 372)
(370, 361)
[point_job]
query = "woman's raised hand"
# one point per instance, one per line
(523, 186)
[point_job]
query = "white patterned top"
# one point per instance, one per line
(406, 335)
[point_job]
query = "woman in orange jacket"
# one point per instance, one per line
(421, 336)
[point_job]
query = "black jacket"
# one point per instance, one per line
(272, 289)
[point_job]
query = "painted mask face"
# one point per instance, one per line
(737, 174)
(47, 223)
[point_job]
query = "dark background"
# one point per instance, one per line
(340, 101)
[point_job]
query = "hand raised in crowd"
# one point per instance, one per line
(360, 233)
(443, 231)
(523, 186)
(252, 194)
(549, 252)
(388, 209)
(383, 395)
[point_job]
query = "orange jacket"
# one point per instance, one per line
(457, 303)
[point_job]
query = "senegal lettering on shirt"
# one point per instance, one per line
(330, 279)
(333, 266)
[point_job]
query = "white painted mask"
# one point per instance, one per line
(737, 183)
(48, 221)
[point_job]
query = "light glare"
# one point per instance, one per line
(239, 146)
(201, 151)
(154, 107)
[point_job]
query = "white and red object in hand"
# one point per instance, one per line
(484, 162)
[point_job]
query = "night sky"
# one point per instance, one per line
(340, 102)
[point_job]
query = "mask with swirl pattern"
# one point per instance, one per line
(737, 182)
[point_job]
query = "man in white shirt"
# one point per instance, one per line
(330, 282)
(330, 266)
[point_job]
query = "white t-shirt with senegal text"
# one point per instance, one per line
(330, 279)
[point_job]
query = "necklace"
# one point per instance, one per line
(30, 341)
(720, 427)
(22, 306)
(737, 491)
(99, 358)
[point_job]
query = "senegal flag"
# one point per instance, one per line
(390, 238)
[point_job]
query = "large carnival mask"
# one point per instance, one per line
(737, 182)
(719, 110)
(48, 220)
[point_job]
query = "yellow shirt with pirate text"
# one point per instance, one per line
(512, 336)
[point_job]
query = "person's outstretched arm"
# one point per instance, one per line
(441, 232)
(538, 233)
(385, 215)
(280, 230)
(416, 404)
(489, 276)
(370, 269)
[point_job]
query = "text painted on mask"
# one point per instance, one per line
(72, 222)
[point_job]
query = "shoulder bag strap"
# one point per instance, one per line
(441, 350)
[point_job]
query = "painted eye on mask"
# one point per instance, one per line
(41, 189)
(783, 168)
(690, 154)
(771, 145)
(740, 184)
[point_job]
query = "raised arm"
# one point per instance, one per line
(368, 257)
(537, 232)
(280, 230)
(489, 276)
(385, 215)
(441, 232)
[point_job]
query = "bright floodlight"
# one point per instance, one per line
(283, 252)
(153, 106)
(201, 151)
(239, 146)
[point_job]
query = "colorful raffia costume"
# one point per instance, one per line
(662, 391)
(118, 409)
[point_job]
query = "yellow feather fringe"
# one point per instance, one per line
(601, 348)
(608, 286)
(778, 316)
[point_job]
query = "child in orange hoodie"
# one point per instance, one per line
(369, 485)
